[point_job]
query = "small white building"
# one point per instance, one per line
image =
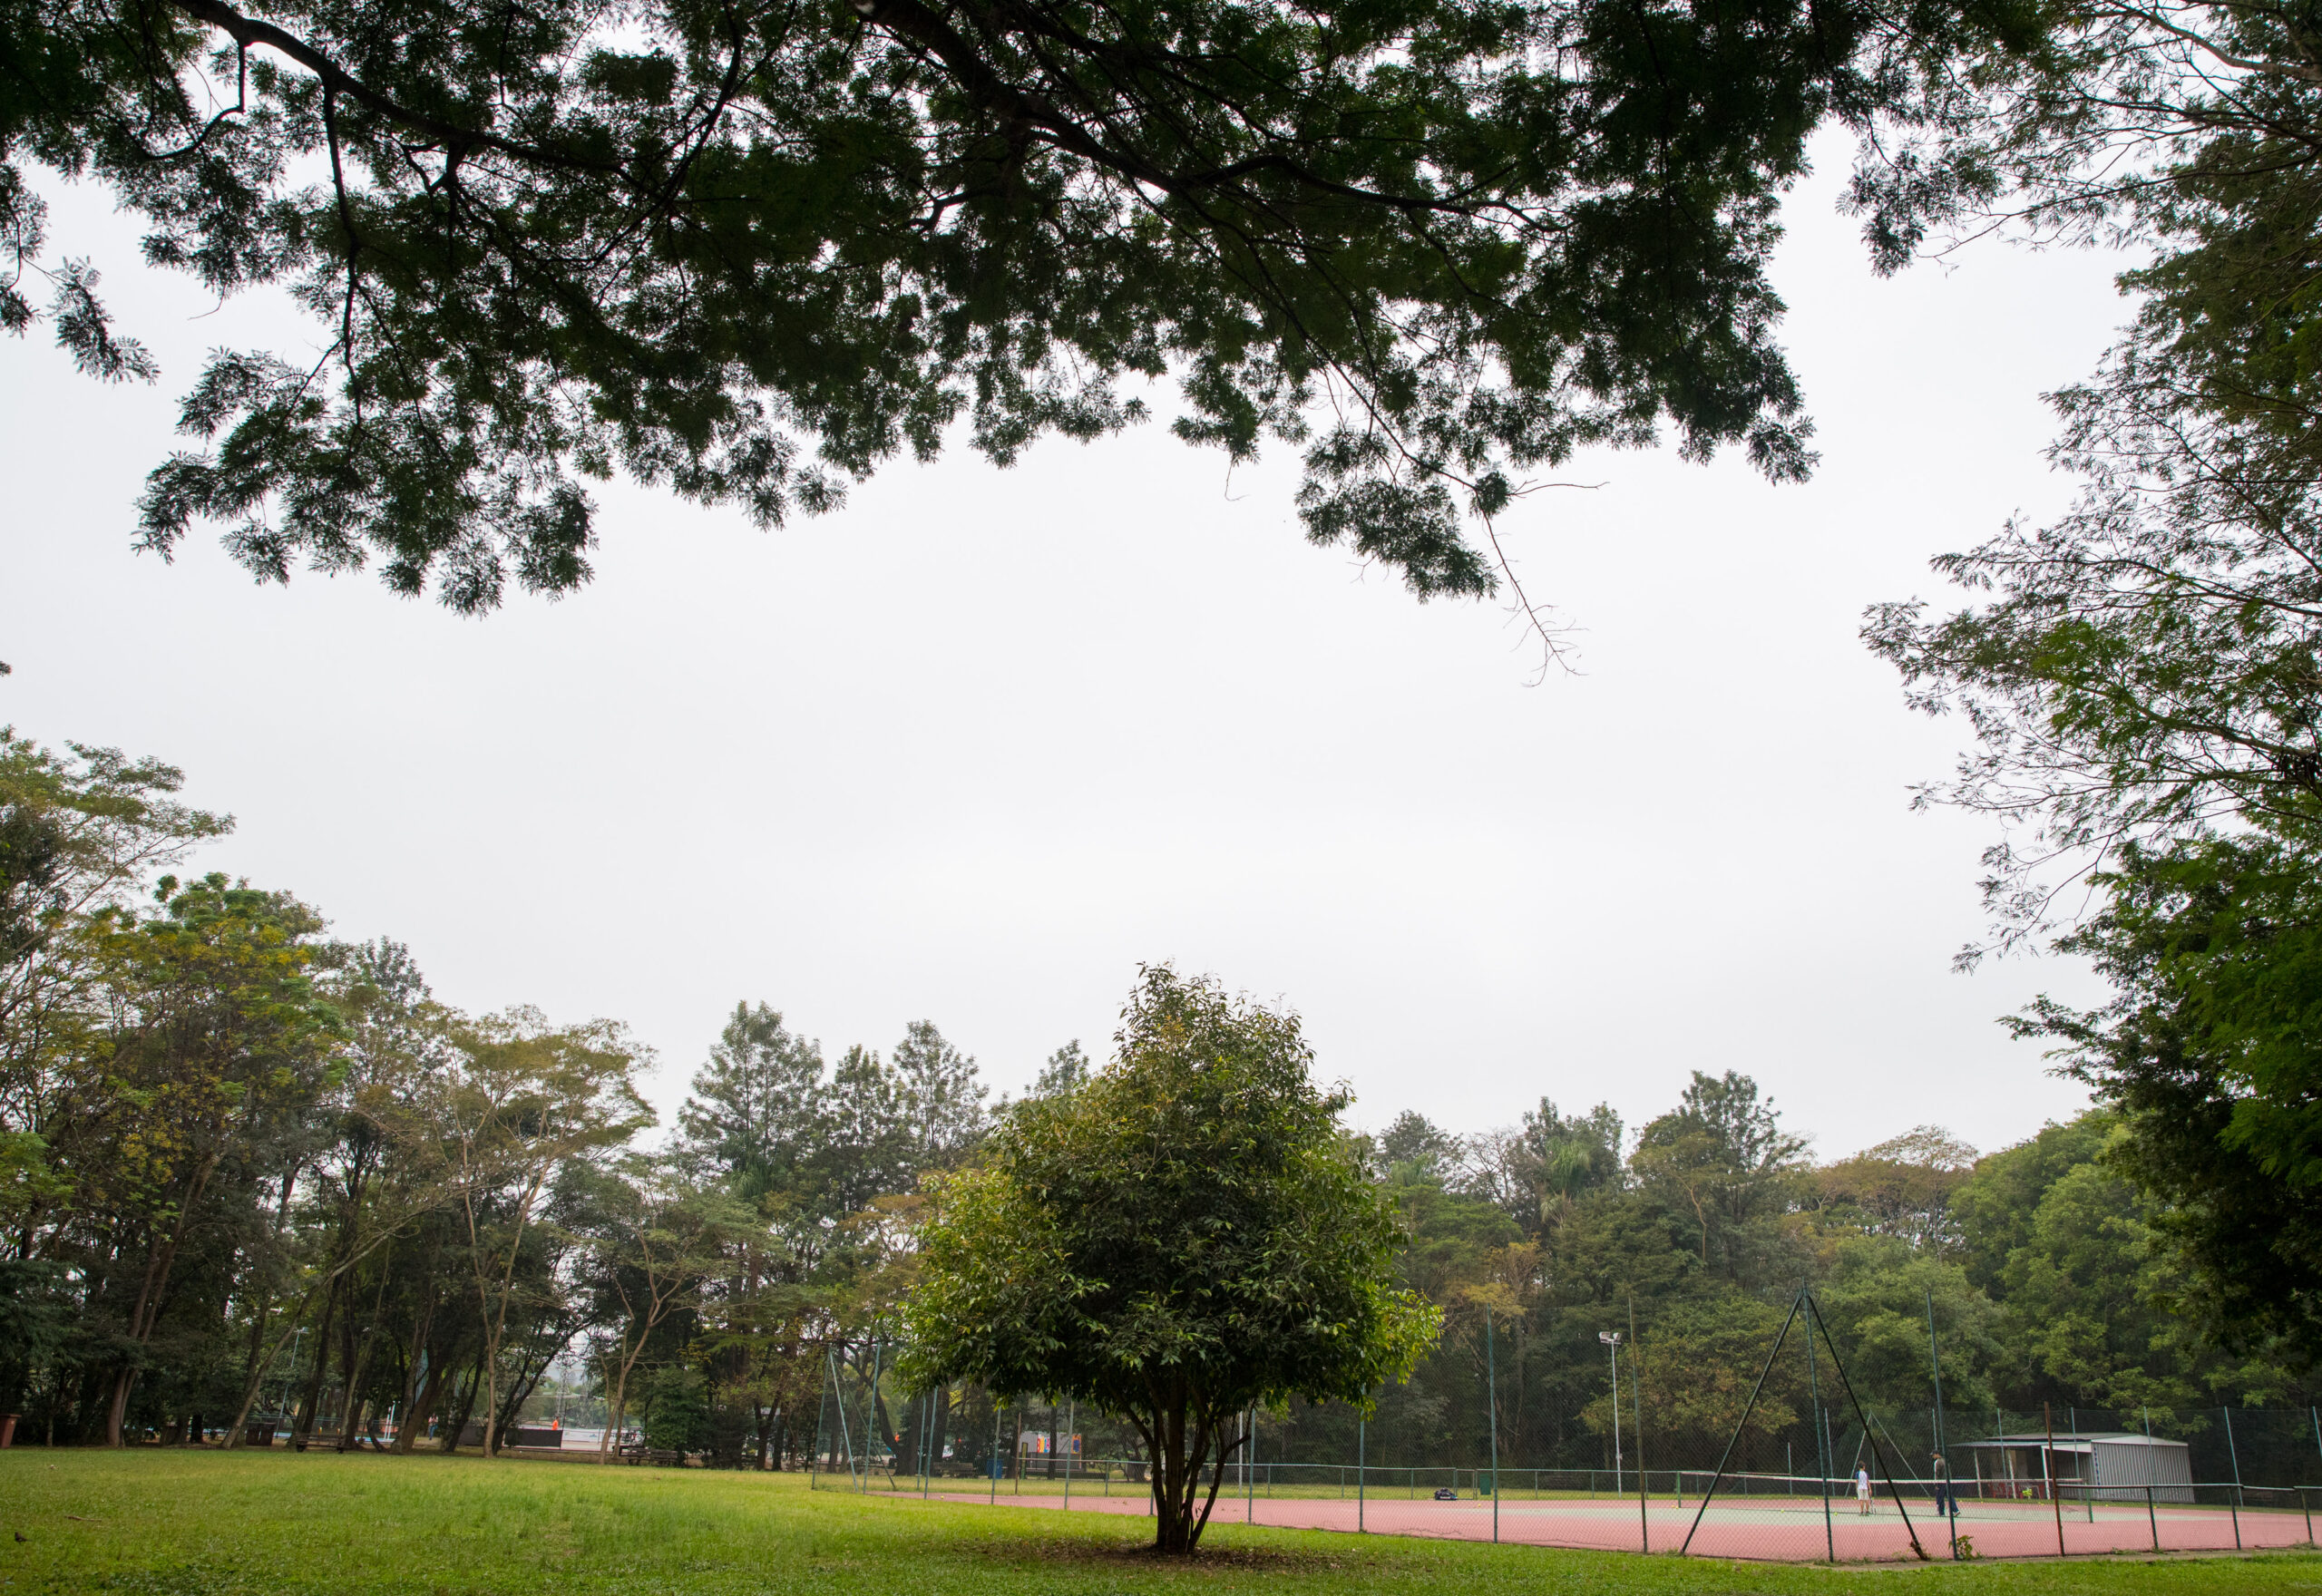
(2115, 1466)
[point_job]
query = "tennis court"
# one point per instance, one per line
(1787, 1529)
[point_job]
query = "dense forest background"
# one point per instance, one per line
(254, 1178)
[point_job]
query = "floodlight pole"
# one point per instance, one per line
(1612, 1339)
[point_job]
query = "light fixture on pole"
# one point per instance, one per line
(1612, 1339)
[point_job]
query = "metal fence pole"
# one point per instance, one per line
(993, 1467)
(1071, 1419)
(1361, 1460)
(813, 1458)
(1748, 1408)
(1946, 1485)
(1249, 1475)
(1637, 1407)
(2234, 1454)
(2048, 1474)
(870, 1416)
(1491, 1418)
(1821, 1440)
(1862, 1416)
(2152, 1519)
(2088, 1482)
(839, 1402)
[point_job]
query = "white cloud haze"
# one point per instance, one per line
(971, 748)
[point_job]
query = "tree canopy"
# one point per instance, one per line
(1180, 1238)
(2143, 675)
(752, 249)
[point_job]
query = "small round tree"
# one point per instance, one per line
(1184, 1234)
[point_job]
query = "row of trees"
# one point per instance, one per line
(252, 1173)
(248, 1171)
(2049, 1275)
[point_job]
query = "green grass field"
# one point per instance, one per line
(208, 1523)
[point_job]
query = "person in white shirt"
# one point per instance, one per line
(1862, 1492)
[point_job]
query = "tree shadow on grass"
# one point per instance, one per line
(1141, 1557)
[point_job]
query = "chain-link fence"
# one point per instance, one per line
(1762, 1444)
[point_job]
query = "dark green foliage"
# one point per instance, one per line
(750, 252)
(2209, 1053)
(1185, 1235)
(2141, 674)
(677, 1411)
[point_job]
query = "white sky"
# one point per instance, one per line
(973, 747)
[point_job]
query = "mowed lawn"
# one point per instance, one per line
(192, 1523)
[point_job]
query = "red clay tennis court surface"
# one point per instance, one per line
(1790, 1530)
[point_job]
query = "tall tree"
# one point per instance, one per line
(653, 1237)
(1063, 1070)
(1189, 1233)
(78, 832)
(755, 1112)
(219, 1035)
(520, 1101)
(2139, 676)
(940, 1100)
(1725, 1169)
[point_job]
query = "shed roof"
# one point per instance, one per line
(2070, 1442)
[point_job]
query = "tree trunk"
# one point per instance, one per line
(413, 1422)
(355, 1356)
(411, 1415)
(1178, 1458)
(459, 1423)
(303, 1425)
(255, 1383)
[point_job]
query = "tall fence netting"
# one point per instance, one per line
(1714, 1432)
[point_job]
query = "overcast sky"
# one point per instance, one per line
(973, 747)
